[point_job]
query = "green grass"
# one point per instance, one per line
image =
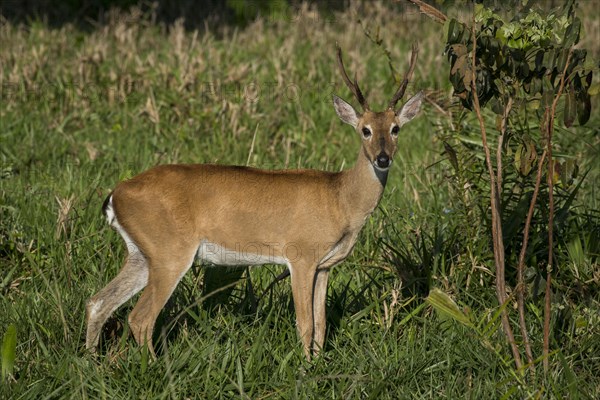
(82, 110)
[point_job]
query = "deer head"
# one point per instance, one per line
(379, 130)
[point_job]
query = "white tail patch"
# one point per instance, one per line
(112, 220)
(110, 211)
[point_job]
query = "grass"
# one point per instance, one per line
(83, 110)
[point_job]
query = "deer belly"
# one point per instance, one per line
(249, 254)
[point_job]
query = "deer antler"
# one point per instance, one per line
(407, 77)
(352, 86)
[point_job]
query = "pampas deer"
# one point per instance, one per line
(309, 220)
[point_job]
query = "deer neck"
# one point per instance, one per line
(362, 188)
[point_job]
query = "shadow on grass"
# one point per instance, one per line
(209, 293)
(227, 290)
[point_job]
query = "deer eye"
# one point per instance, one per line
(366, 132)
(395, 129)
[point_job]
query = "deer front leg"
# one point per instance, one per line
(319, 309)
(302, 292)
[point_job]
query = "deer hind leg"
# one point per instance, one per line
(131, 279)
(319, 309)
(302, 292)
(164, 277)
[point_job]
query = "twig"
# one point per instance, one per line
(497, 239)
(277, 279)
(520, 280)
(430, 11)
(521, 266)
(503, 126)
(407, 77)
(550, 177)
(252, 146)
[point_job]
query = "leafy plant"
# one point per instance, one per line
(522, 58)
(519, 62)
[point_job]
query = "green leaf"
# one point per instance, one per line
(459, 69)
(557, 170)
(561, 61)
(239, 374)
(481, 13)
(533, 105)
(536, 86)
(414, 312)
(572, 33)
(548, 59)
(496, 106)
(584, 107)
(577, 60)
(570, 109)
(451, 153)
(9, 347)
(145, 358)
(523, 70)
(563, 212)
(525, 156)
(547, 98)
(569, 172)
(588, 79)
(455, 31)
(488, 330)
(446, 306)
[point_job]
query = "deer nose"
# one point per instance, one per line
(383, 160)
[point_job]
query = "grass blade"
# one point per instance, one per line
(572, 386)
(9, 347)
(446, 306)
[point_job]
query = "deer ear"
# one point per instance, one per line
(345, 111)
(410, 109)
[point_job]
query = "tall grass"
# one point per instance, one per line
(82, 110)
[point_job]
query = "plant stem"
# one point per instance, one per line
(521, 266)
(498, 242)
(550, 178)
(503, 126)
(430, 11)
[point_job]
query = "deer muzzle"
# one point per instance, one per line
(382, 161)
